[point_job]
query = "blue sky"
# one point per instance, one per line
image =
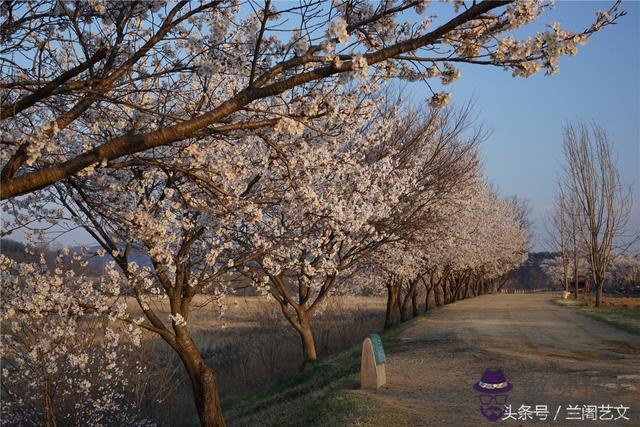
(600, 84)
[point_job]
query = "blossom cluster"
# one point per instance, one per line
(151, 77)
(62, 353)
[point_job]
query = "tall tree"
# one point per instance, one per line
(602, 202)
(558, 235)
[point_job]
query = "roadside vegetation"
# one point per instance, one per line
(325, 394)
(623, 313)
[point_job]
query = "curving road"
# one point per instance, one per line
(552, 355)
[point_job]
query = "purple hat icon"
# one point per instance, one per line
(493, 382)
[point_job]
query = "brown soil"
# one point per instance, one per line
(553, 356)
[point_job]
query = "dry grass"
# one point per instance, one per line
(621, 312)
(617, 302)
(326, 394)
(251, 344)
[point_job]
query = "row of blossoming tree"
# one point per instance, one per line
(219, 136)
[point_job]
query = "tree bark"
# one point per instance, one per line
(428, 297)
(446, 292)
(598, 296)
(455, 290)
(203, 382)
(308, 342)
(50, 413)
(575, 257)
(475, 288)
(405, 308)
(415, 305)
(428, 288)
(598, 283)
(392, 316)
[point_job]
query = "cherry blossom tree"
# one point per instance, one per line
(624, 269)
(87, 84)
(366, 193)
(328, 202)
(63, 353)
(555, 269)
(492, 241)
(197, 213)
(185, 238)
(483, 239)
(445, 163)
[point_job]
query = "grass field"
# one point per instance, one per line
(621, 312)
(326, 394)
(251, 346)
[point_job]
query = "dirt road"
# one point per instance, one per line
(552, 356)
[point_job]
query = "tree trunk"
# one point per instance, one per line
(203, 383)
(414, 302)
(440, 296)
(565, 274)
(598, 296)
(446, 290)
(50, 413)
(575, 255)
(454, 291)
(392, 314)
(427, 298)
(404, 311)
(405, 308)
(308, 343)
(598, 282)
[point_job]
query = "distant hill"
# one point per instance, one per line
(18, 252)
(136, 256)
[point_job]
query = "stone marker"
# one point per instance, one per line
(372, 371)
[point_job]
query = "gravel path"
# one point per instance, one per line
(552, 355)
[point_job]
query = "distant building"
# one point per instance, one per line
(583, 284)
